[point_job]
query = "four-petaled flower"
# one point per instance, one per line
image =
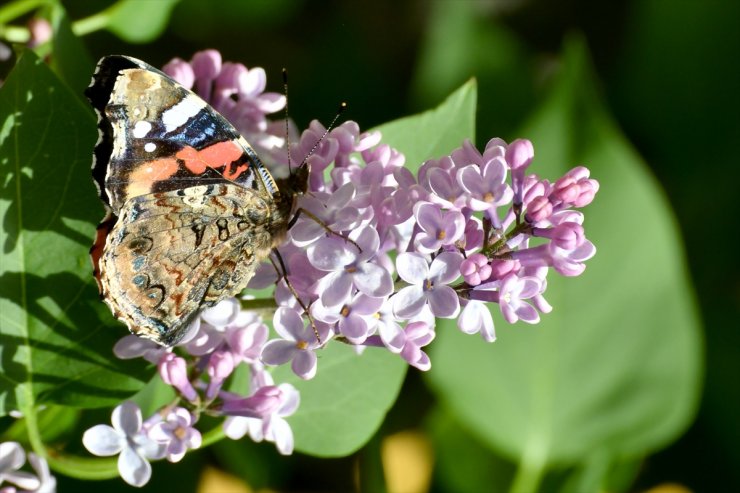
(127, 438)
(428, 285)
(298, 344)
(176, 433)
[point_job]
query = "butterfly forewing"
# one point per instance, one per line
(155, 135)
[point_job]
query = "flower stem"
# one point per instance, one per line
(69, 465)
(92, 23)
(212, 436)
(15, 34)
(530, 470)
(490, 250)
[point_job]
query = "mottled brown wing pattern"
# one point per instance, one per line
(172, 253)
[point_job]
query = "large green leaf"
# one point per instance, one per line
(343, 406)
(614, 371)
(55, 334)
(139, 21)
(436, 132)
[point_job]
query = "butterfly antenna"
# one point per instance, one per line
(342, 108)
(287, 126)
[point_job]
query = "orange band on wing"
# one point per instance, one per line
(146, 174)
(214, 156)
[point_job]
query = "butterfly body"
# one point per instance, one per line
(191, 209)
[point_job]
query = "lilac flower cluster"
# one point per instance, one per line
(12, 479)
(468, 229)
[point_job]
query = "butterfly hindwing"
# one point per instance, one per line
(173, 253)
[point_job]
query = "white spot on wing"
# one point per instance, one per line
(141, 129)
(150, 147)
(179, 114)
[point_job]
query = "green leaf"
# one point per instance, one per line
(139, 21)
(69, 59)
(462, 463)
(434, 133)
(55, 334)
(614, 371)
(343, 406)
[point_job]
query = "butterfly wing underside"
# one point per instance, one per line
(190, 205)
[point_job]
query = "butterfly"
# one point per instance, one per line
(191, 210)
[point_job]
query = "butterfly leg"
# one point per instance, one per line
(321, 223)
(283, 272)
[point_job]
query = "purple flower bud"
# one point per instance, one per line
(566, 235)
(181, 71)
(475, 269)
(260, 404)
(539, 209)
(519, 154)
(41, 31)
(575, 188)
(206, 64)
(566, 190)
(246, 343)
(174, 371)
(220, 366)
(501, 268)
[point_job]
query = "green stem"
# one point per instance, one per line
(530, 471)
(69, 465)
(16, 9)
(95, 22)
(494, 248)
(258, 304)
(15, 34)
(212, 436)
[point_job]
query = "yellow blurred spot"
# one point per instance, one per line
(407, 462)
(669, 488)
(214, 480)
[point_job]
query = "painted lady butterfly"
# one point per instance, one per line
(191, 209)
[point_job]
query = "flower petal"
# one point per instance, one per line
(329, 254)
(282, 435)
(235, 427)
(278, 352)
(103, 440)
(304, 364)
(133, 468)
(444, 302)
(412, 267)
(408, 302)
(12, 456)
(126, 418)
(373, 280)
(288, 323)
(338, 291)
(445, 267)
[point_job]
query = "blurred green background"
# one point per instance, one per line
(667, 73)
